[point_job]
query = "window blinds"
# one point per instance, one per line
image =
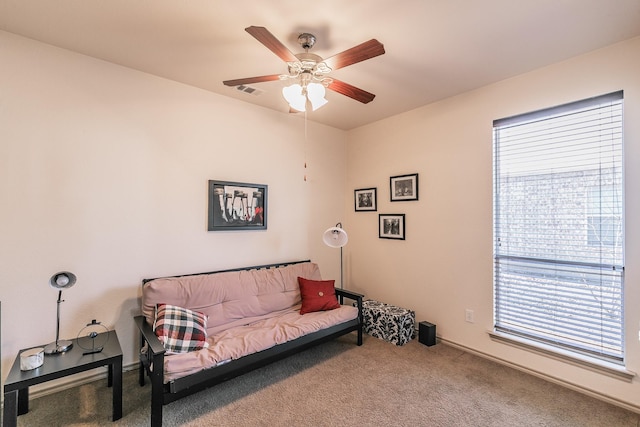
(558, 226)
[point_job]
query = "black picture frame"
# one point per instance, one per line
(403, 187)
(391, 226)
(365, 199)
(237, 206)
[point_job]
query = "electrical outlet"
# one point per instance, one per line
(468, 315)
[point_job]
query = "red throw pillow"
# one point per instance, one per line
(317, 295)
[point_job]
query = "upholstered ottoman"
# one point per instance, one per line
(388, 322)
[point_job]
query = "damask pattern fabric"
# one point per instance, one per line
(388, 322)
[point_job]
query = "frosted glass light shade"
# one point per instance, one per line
(294, 95)
(295, 98)
(315, 93)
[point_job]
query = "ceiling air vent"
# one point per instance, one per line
(250, 90)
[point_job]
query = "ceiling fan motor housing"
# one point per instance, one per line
(306, 40)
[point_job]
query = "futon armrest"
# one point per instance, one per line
(358, 298)
(148, 336)
(343, 293)
(348, 294)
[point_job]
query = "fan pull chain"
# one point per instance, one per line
(305, 145)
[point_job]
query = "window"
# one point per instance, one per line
(558, 226)
(603, 215)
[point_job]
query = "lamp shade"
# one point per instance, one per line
(295, 98)
(315, 93)
(62, 280)
(297, 95)
(335, 237)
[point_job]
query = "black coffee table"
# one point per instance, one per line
(16, 386)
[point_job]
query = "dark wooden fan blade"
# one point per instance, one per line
(248, 80)
(273, 44)
(351, 91)
(362, 52)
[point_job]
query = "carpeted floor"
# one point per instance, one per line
(340, 384)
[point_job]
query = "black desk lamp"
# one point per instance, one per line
(60, 281)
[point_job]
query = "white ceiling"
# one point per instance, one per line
(434, 48)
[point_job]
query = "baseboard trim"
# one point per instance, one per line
(71, 382)
(605, 368)
(580, 389)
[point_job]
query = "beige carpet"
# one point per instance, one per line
(340, 384)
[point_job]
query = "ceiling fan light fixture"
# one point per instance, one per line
(295, 98)
(316, 93)
(307, 66)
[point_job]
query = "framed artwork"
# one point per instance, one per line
(237, 206)
(404, 187)
(365, 199)
(391, 226)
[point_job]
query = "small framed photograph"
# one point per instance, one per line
(404, 187)
(237, 206)
(391, 226)
(365, 199)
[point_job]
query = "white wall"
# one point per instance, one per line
(104, 171)
(445, 264)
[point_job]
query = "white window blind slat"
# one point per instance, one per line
(558, 226)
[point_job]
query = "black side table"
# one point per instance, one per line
(16, 386)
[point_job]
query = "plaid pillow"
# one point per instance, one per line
(180, 330)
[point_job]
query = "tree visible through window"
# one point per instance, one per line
(558, 241)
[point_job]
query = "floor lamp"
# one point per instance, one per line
(336, 237)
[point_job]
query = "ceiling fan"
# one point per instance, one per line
(309, 69)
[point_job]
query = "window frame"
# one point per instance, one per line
(499, 258)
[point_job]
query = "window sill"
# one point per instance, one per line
(610, 369)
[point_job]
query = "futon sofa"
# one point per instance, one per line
(199, 330)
